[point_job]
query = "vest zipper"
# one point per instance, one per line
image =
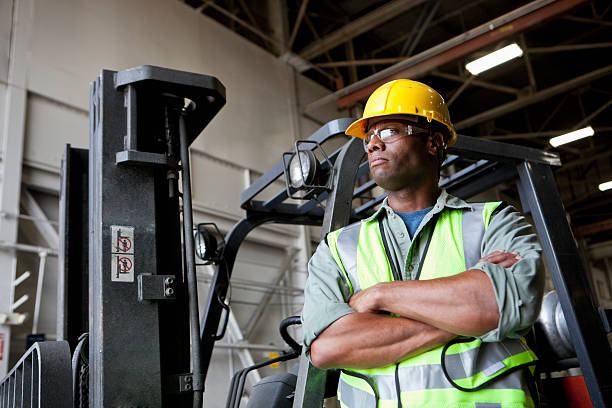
(397, 386)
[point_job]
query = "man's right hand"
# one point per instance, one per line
(502, 258)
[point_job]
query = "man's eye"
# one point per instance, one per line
(389, 132)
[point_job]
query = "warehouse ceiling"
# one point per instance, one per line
(562, 82)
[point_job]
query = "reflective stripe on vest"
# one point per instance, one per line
(455, 247)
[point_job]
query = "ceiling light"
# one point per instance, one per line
(572, 136)
(605, 186)
(493, 59)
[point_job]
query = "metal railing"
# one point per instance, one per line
(41, 378)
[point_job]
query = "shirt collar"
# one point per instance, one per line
(444, 200)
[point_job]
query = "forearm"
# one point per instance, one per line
(463, 304)
(368, 340)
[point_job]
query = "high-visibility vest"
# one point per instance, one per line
(495, 369)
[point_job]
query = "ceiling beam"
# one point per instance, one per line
(528, 67)
(457, 47)
(427, 15)
(459, 90)
(588, 20)
(354, 63)
(569, 47)
(534, 98)
(359, 26)
(441, 19)
(231, 16)
(535, 135)
(583, 160)
(477, 82)
(298, 22)
(590, 229)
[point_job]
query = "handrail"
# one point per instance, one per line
(41, 378)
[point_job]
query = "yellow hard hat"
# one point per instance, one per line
(404, 97)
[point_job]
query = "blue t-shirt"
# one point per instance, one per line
(413, 219)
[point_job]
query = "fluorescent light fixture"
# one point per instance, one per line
(572, 136)
(605, 186)
(493, 59)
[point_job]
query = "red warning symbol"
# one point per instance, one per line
(1, 346)
(124, 244)
(124, 264)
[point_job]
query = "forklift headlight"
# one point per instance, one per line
(304, 172)
(205, 244)
(302, 168)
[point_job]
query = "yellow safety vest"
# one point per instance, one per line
(493, 368)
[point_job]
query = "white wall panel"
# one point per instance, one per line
(309, 92)
(72, 41)
(217, 185)
(6, 17)
(49, 126)
(2, 107)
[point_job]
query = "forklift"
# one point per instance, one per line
(129, 331)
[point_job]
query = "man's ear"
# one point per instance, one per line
(435, 143)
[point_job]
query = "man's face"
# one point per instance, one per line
(402, 160)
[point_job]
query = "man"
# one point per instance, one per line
(424, 303)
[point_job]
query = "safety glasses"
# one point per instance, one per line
(393, 132)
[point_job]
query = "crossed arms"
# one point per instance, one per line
(438, 310)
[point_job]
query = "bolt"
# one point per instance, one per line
(169, 292)
(169, 281)
(187, 387)
(187, 379)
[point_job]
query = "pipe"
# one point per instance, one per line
(27, 248)
(192, 288)
(39, 286)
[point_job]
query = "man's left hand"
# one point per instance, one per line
(365, 300)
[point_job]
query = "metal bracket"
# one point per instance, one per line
(182, 383)
(12, 319)
(156, 287)
(136, 157)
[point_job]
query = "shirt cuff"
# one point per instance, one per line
(508, 301)
(332, 312)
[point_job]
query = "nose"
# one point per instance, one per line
(375, 144)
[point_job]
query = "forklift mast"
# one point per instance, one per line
(142, 121)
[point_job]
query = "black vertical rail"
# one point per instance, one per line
(538, 190)
(311, 382)
(190, 273)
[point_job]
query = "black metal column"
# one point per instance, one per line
(72, 311)
(124, 337)
(310, 387)
(538, 191)
(138, 299)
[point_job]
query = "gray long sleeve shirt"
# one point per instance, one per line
(518, 289)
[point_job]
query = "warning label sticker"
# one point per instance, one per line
(1, 346)
(122, 253)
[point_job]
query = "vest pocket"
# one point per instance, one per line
(471, 365)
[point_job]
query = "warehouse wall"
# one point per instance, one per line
(59, 46)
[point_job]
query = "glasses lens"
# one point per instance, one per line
(392, 133)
